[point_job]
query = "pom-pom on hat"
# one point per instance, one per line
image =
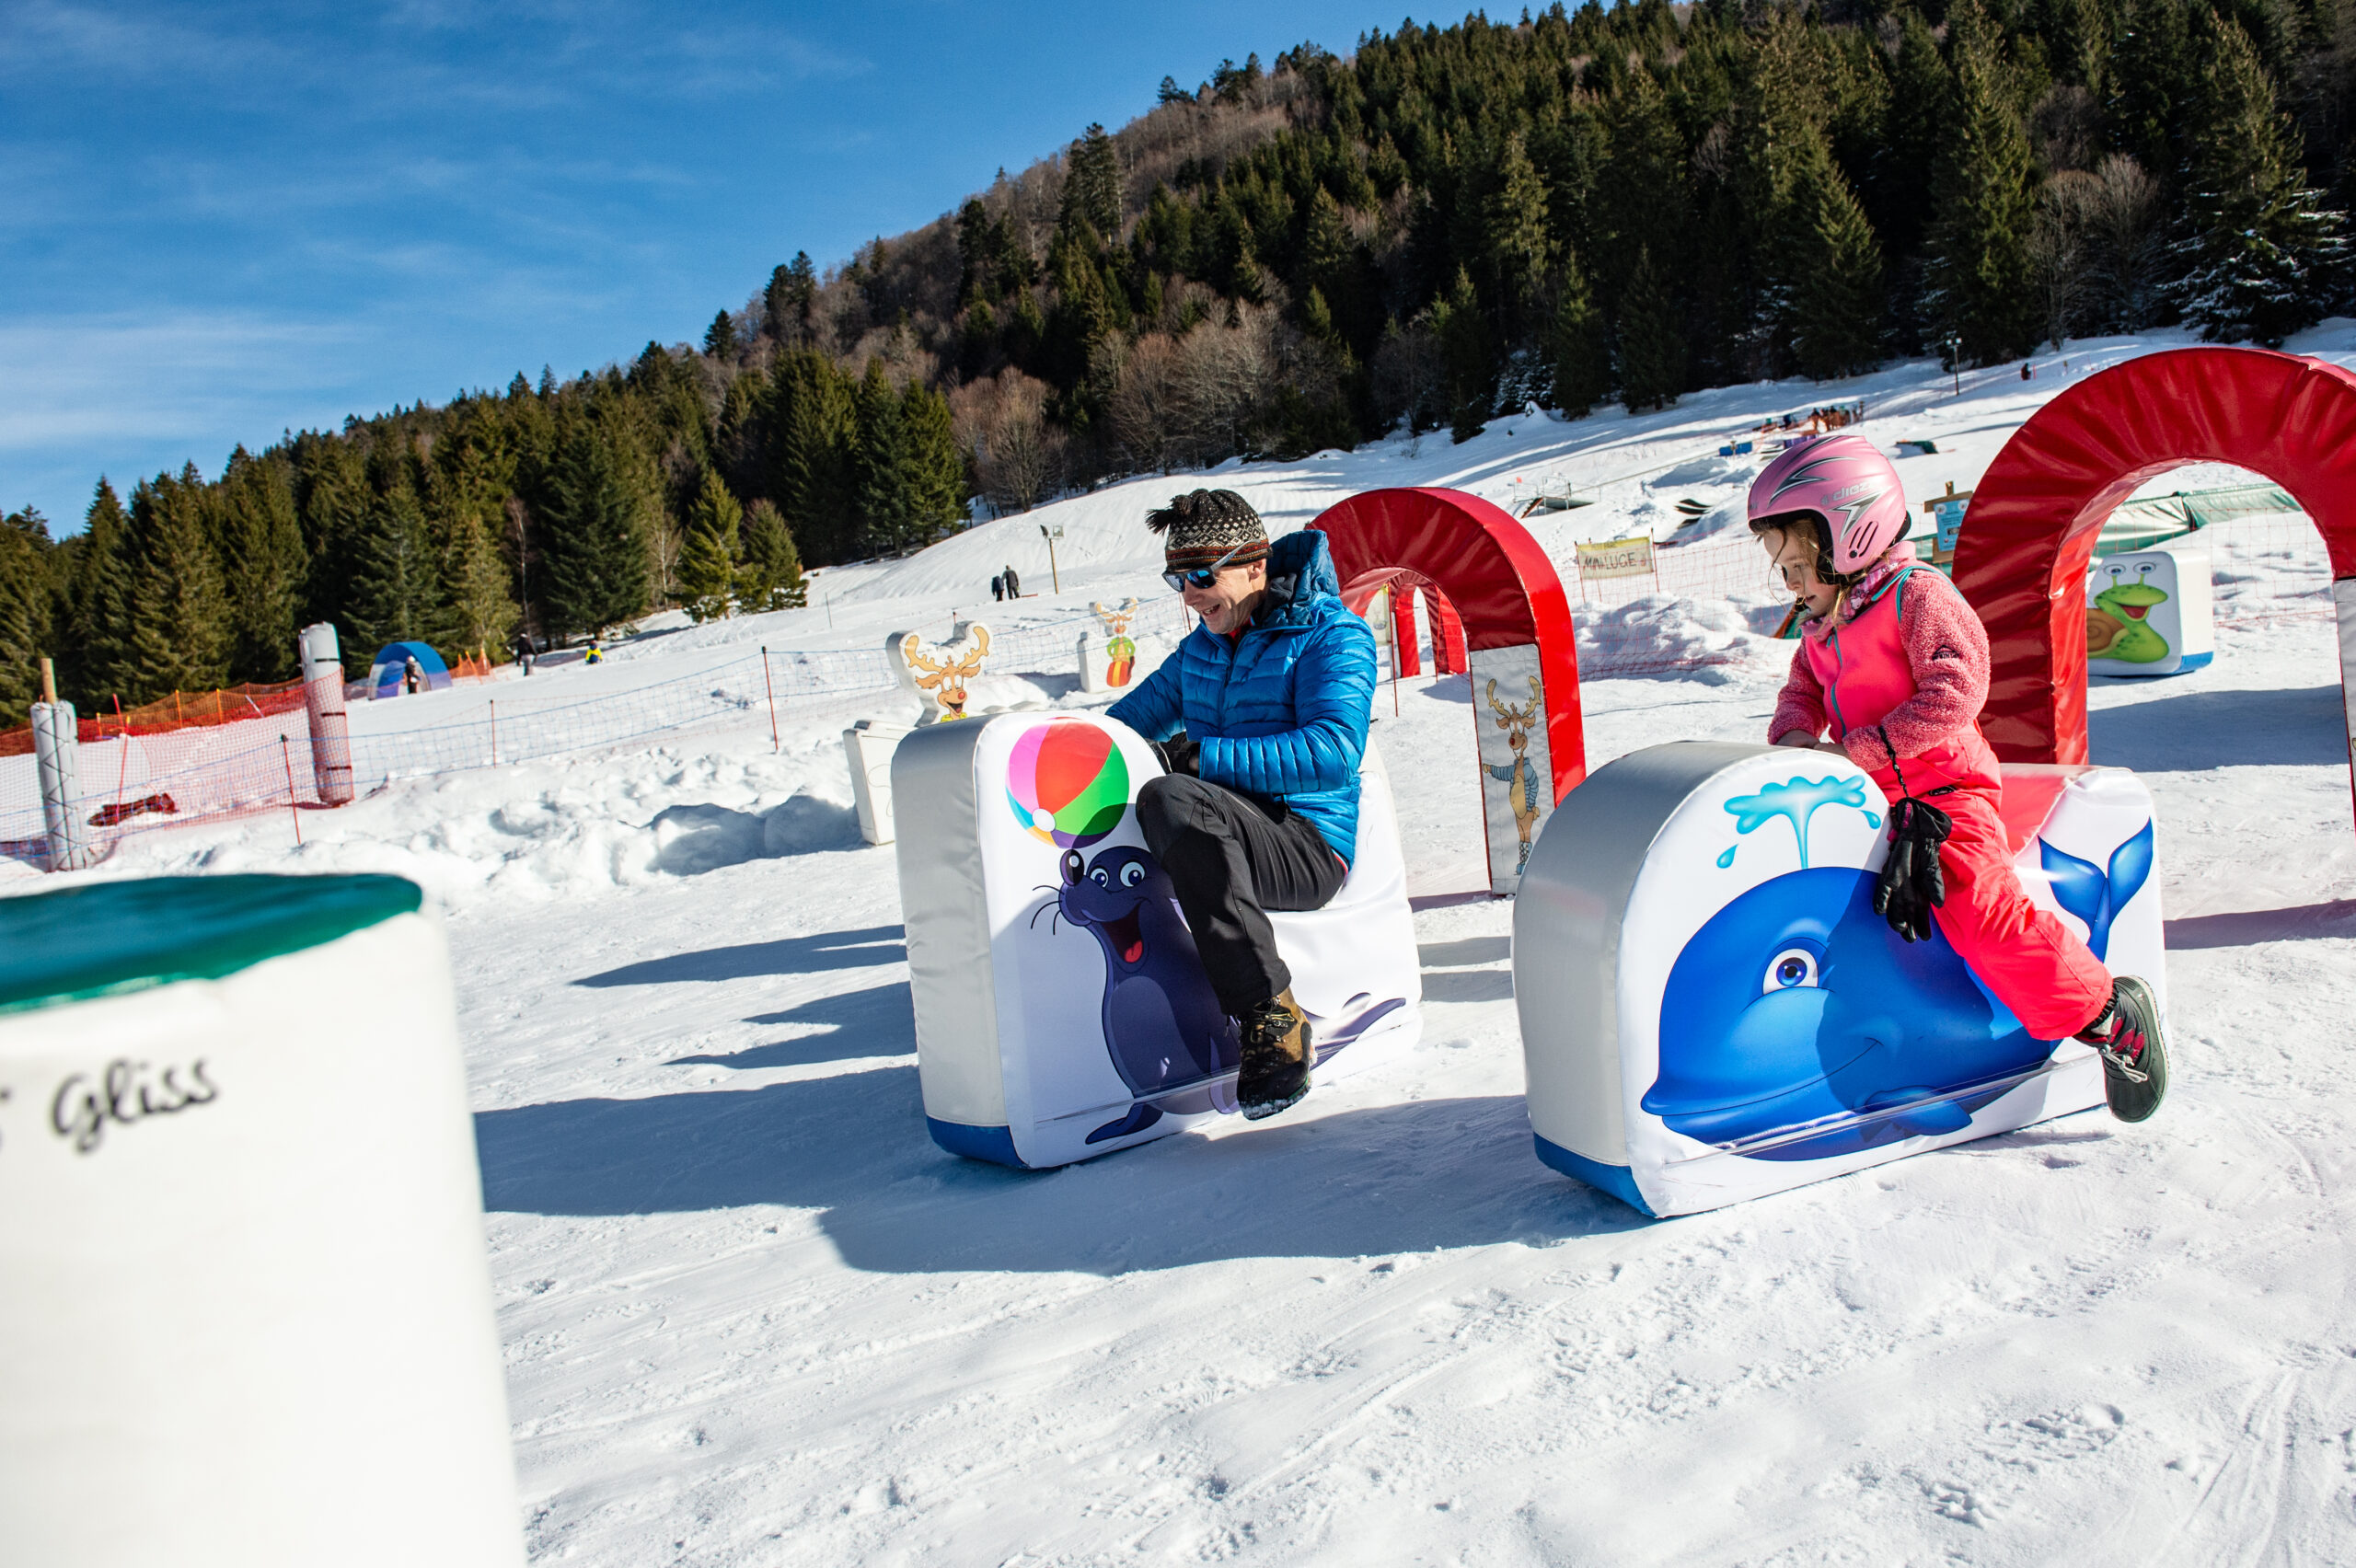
(1202, 526)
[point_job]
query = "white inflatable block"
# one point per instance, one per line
(245, 1304)
(937, 674)
(1061, 1012)
(1711, 1011)
(2149, 613)
(1118, 665)
(868, 746)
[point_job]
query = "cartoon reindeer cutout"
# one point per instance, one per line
(1520, 779)
(1120, 649)
(937, 673)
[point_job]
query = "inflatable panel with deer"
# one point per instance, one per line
(1061, 1009)
(1711, 1010)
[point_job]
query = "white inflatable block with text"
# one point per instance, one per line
(1711, 1010)
(2150, 612)
(246, 1312)
(1061, 1010)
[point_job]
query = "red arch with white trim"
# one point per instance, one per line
(1503, 588)
(2021, 558)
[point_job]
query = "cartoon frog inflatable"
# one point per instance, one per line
(2116, 623)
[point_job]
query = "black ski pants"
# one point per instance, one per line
(1234, 857)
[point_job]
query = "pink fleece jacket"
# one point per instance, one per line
(1946, 650)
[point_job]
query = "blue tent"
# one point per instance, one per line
(391, 665)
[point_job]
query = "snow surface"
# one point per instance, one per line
(752, 1316)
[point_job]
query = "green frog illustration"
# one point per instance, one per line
(2117, 627)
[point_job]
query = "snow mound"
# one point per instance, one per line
(1713, 640)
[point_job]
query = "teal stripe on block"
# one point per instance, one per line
(1616, 1180)
(107, 936)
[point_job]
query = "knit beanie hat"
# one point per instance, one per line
(1201, 526)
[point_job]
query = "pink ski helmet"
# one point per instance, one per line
(1846, 483)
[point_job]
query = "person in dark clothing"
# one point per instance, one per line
(412, 674)
(523, 650)
(998, 587)
(1261, 718)
(1013, 584)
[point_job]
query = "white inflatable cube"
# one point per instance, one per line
(1061, 1009)
(1711, 1009)
(2149, 613)
(245, 1304)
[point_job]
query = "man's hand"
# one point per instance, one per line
(1179, 754)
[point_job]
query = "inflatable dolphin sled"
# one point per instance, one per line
(1711, 1010)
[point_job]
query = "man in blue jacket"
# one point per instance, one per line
(1261, 716)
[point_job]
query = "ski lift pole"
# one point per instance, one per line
(770, 686)
(1054, 577)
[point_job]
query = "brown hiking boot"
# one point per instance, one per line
(1274, 1072)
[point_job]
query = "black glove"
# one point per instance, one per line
(1911, 884)
(1179, 754)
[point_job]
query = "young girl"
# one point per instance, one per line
(1893, 665)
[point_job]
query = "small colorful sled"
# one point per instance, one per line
(1061, 1010)
(1711, 1011)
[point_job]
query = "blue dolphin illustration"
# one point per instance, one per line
(1798, 1003)
(1162, 1023)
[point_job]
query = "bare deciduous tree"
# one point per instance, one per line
(2059, 251)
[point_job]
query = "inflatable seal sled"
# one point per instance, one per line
(1711, 1010)
(1061, 1009)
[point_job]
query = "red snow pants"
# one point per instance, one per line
(2052, 982)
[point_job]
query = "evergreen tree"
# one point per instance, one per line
(1582, 358)
(396, 590)
(1652, 342)
(593, 537)
(771, 576)
(888, 475)
(98, 584)
(936, 462)
(24, 612)
(1834, 272)
(816, 485)
(179, 615)
(2263, 250)
(792, 296)
(720, 338)
(708, 565)
(263, 564)
(1470, 361)
(1979, 266)
(475, 582)
(1093, 186)
(1514, 235)
(2154, 77)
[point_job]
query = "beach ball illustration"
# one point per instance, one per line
(1067, 783)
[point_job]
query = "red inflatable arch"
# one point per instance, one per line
(2021, 558)
(1518, 636)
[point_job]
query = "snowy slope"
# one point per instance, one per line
(753, 1317)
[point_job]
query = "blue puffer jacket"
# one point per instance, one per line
(1283, 710)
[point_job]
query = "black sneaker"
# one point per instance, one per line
(2134, 1055)
(1274, 1071)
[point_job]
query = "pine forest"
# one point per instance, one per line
(1576, 209)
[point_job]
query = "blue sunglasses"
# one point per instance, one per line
(1203, 577)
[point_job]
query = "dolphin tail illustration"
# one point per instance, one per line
(2096, 896)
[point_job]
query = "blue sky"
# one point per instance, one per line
(219, 223)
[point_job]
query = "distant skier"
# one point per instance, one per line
(1013, 584)
(1894, 664)
(412, 674)
(998, 587)
(596, 655)
(523, 650)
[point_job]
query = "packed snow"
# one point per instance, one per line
(753, 1315)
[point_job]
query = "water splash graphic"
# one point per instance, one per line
(1797, 801)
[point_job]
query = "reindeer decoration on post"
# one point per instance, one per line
(1120, 649)
(937, 673)
(1520, 779)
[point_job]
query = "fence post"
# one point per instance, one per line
(494, 732)
(322, 666)
(770, 686)
(286, 756)
(54, 761)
